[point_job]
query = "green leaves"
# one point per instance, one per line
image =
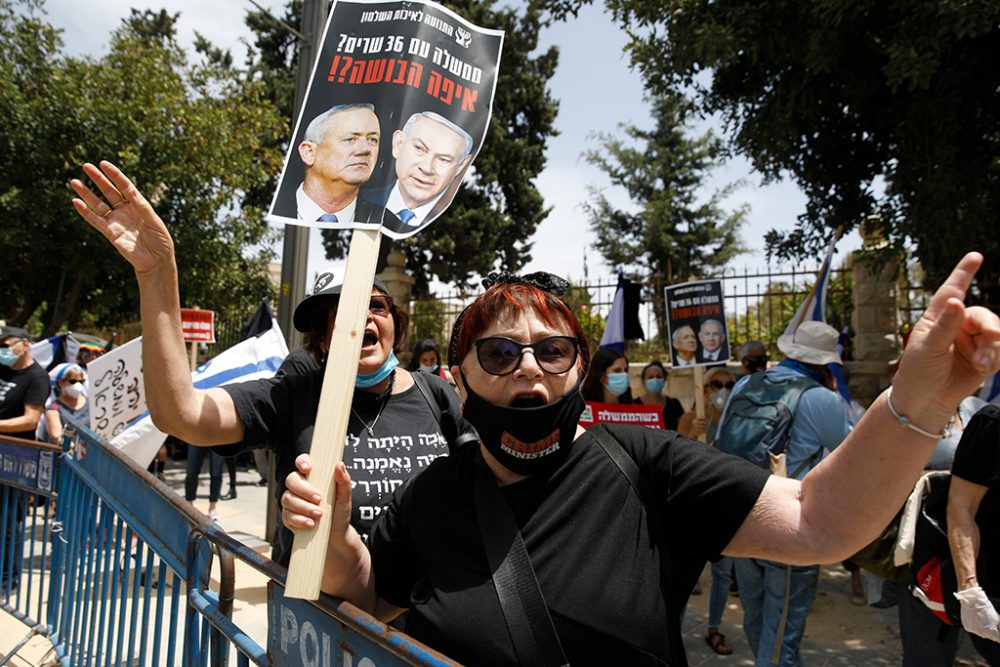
(886, 107)
(669, 230)
(193, 136)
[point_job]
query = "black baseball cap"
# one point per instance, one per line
(14, 332)
(325, 291)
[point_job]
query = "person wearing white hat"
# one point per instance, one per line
(776, 597)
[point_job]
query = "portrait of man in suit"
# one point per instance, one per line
(430, 151)
(712, 336)
(685, 346)
(339, 150)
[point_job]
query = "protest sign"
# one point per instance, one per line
(619, 413)
(115, 390)
(697, 324)
(428, 75)
(397, 107)
(198, 326)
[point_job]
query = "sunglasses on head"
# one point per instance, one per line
(719, 384)
(500, 356)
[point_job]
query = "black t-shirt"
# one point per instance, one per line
(672, 411)
(586, 534)
(977, 460)
(28, 386)
(280, 412)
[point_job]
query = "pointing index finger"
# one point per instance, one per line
(956, 285)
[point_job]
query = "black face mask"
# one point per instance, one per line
(526, 440)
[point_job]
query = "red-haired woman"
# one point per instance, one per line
(518, 357)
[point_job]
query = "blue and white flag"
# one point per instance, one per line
(255, 358)
(623, 320)
(814, 309)
(614, 327)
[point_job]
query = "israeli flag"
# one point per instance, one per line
(814, 308)
(255, 358)
(614, 327)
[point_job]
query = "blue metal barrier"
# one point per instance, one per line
(119, 573)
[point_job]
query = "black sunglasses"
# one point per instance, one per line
(500, 356)
(719, 384)
(380, 305)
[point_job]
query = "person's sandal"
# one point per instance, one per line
(717, 642)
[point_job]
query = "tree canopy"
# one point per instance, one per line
(885, 110)
(498, 208)
(671, 229)
(193, 136)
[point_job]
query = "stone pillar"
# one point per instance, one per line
(399, 282)
(875, 319)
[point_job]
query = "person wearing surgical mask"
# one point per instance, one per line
(68, 400)
(608, 380)
(654, 382)
(718, 383)
(427, 359)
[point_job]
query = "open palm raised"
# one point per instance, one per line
(124, 216)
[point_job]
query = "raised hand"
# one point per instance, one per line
(949, 352)
(124, 216)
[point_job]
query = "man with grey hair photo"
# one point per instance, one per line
(430, 151)
(339, 150)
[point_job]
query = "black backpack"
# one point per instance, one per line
(932, 570)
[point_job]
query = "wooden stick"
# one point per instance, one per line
(194, 356)
(305, 570)
(699, 396)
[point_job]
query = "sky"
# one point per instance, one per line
(591, 52)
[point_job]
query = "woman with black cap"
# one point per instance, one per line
(604, 532)
(396, 428)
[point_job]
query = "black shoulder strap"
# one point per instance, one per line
(421, 383)
(425, 389)
(531, 630)
(640, 485)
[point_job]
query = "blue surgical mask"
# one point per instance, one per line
(655, 385)
(365, 381)
(617, 383)
(432, 368)
(7, 356)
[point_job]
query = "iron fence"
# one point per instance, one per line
(118, 573)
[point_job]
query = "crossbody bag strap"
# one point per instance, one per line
(640, 485)
(425, 390)
(531, 629)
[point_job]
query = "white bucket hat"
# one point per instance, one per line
(812, 343)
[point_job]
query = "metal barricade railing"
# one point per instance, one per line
(119, 573)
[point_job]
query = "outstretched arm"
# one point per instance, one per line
(844, 502)
(125, 218)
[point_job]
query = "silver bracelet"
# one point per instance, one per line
(906, 423)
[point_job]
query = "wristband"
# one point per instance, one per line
(906, 423)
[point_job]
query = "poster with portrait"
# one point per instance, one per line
(397, 108)
(696, 321)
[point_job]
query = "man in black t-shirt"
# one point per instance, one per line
(24, 385)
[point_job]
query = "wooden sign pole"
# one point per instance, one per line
(699, 395)
(305, 570)
(194, 356)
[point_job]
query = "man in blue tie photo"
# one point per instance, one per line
(430, 151)
(339, 151)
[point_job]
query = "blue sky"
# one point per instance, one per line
(591, 53)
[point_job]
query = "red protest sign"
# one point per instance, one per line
(198, 325)
(616, 413)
